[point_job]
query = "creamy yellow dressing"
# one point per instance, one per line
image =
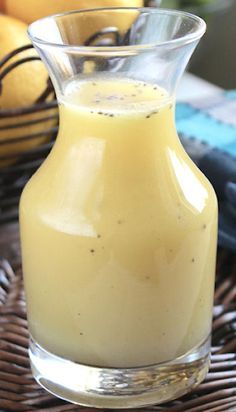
(118, 231)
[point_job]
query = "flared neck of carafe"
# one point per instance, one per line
(148, 44)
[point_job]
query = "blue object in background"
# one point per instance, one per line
(209, 136)
(200, 125)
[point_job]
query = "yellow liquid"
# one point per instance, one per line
(118, 232)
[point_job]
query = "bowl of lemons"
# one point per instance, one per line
(23, 84)
(28, 113)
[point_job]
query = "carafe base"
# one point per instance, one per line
(119, 387)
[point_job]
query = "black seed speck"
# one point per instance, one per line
(119, 222)
(81, 333)
(78, 314)
(147, 277)
(151, 114)
(170, 250)
(204, 226)
(99, 236)
(92, 250)
(193, 260)
(111, 115)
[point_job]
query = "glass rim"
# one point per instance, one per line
(182, 40)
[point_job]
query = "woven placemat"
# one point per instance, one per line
(19, 392)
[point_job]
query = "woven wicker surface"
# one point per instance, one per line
(19, 392)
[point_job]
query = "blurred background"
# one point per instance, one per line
(215, 58)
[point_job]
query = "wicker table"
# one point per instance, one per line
(18, 390)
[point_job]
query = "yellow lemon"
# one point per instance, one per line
(84, 28)
(21, 87)
(30, 10)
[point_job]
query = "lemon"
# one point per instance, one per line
(21, 87)
(30, 10)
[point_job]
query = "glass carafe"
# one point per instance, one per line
(118, 226)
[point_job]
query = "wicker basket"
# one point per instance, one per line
(19, 392)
